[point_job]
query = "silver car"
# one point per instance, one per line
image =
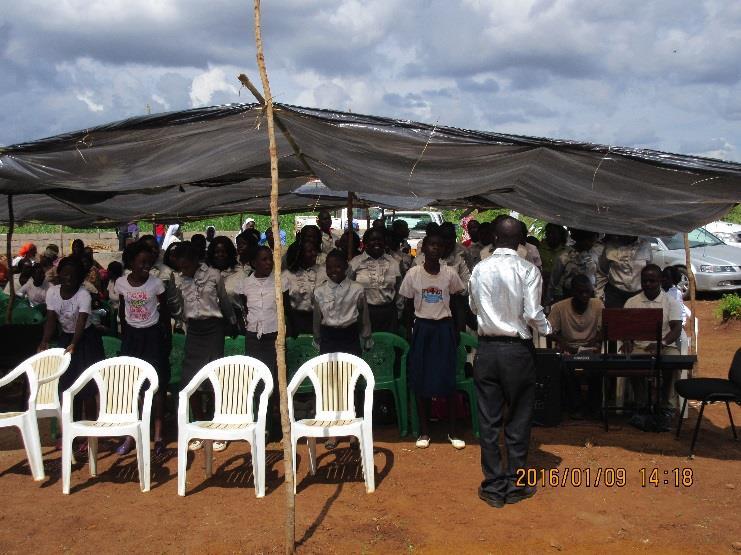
(717, 266)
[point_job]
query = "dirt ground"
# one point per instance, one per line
(425, 501)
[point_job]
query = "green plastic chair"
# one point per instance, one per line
(299, 350)
(234, 346)
(382, 360)
(23, 313)
(465, 383)
(177, 355)
(462, 383)
(111, 346)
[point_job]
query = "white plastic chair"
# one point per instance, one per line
(686, 348)
(234, 379)
(43, 371)
(119, 381)
(334, 377)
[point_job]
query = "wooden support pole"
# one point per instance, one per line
(349, 226)
(280, 342)
(9, 254)
(693, 289)
(61, 241)
(279, 124)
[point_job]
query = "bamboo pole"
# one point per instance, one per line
(287, 134)
(9, 253)
(693, 289)
(280, 343)
(349, 226)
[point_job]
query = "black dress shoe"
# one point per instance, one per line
(492, 500)
(521, 494)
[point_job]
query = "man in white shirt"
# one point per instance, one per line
(505, 292)
(652, 296)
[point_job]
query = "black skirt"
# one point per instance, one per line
(263, 349)
(88, 351)
(151, 345)
(204, 342)
(340, 340)
(384, 317)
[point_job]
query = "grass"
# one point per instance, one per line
(729, 307)
(228, 224)
(734, 216)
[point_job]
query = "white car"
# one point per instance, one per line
(717, 266)
(728, 232)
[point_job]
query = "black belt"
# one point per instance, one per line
(503, 339)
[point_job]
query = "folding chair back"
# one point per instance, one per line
(734, 372)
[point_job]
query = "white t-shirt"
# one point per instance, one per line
(68, 309)
(431, 293)
(140, 303)
(36, 295)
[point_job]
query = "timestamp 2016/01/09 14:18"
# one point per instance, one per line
(603, 477)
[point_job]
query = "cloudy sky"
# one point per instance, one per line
(661, 74)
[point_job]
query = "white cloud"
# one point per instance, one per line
(206, 84)
(87, 98)
(661, 74)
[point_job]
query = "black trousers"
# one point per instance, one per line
(504, 374)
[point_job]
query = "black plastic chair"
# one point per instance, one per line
(711, 390)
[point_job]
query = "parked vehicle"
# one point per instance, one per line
(339, 219)
(717, 266)
(417, 222)
(726, 231)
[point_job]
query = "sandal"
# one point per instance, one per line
(195, 445)
(423, 442)
(331, 443)
(354, 444)
(159, 448)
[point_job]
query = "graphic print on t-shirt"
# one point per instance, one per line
(432, 294)
(138, 306)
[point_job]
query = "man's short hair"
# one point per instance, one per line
(651, 268)
(581, 279)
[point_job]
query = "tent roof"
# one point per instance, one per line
(167, 165)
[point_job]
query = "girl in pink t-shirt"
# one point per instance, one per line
(144, 315)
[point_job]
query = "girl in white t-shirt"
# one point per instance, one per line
(144, 315)
(69, 306)
(432, 356)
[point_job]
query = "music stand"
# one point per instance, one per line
(632, 324)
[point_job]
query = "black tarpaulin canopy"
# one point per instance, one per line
(215, 160)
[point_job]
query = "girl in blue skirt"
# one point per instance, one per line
(432, 357)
